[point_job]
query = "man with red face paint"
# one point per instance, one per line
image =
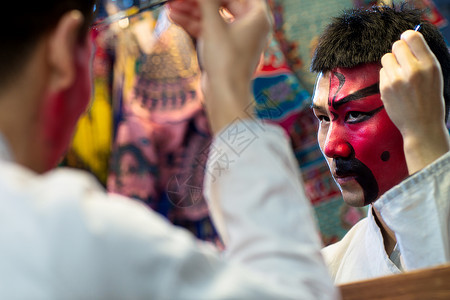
(63, 237)
(382, 104)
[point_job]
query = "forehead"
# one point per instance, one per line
(342, 82)
(346, 81)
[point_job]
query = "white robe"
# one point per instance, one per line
(418, 211)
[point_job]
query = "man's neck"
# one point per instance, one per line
(15, 125)
(21, 101)
(388, 235)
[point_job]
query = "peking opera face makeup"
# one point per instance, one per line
(362, 146)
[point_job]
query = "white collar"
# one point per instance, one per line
(5, 153)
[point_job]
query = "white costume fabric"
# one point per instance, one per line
(62, 237)
(418, 211)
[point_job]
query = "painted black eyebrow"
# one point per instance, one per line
(362, 93)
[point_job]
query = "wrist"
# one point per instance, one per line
(226, 107)
(422, 150)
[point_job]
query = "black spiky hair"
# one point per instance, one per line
(360, 36)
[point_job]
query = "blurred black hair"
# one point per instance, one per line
(23, 26)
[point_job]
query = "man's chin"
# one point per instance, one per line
(353, 194)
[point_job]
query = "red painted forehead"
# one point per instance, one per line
(347, 81)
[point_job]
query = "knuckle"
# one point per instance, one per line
(384, 59)
(397, 45)
(433, 68)
(412, 37)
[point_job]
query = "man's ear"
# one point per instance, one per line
(62, 51)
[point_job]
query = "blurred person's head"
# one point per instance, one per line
(45, 77)
(363, 148)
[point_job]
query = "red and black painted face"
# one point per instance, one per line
(363, 148)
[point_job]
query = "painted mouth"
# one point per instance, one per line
(351, 170)
(344, 178)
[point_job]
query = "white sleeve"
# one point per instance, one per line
(418, 211)
(142, 256)
(259, 207)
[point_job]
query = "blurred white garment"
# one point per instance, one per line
(63, 237)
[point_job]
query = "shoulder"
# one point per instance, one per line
(69, 205)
